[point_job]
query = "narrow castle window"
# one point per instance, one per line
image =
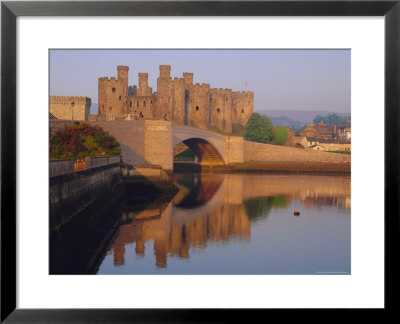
(113, 89)
(218, 110)
(197, 108)
(130, 103)
(226, 99)
(144, 103)
(242, 110)
(119, 97)
(137, 103)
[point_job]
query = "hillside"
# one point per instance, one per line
(284, 121)
(296, 118)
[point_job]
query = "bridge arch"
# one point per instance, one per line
(205, 151)
(210, 148)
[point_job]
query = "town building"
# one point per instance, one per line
(328, 145)
(327, 132)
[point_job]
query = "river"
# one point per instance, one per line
(237, 224)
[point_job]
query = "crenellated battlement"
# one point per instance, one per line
(106, 79)
(221, 91)
(177, 99)
(69, 99)
(249, 94)
(178, 80)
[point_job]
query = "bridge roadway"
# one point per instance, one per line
(151, 142)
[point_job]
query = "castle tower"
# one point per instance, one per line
(221, 114)
(165, 71)
(113, 93)
(164, 97)
(243, 105)
(123, 78)
(199, 113)
(144, 89)
(188, 78)
(179, 101)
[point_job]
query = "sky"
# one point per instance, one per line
(280, 79)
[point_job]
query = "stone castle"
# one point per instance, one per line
(176, 99)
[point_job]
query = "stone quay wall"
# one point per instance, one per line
(61, 167)
(267, 152)
(71, 192)
(66, 166)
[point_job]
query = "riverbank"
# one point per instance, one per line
(269, 167)
(77, 245)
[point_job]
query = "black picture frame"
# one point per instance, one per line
(10, 10)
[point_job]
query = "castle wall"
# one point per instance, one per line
(70, 108)
(177, 100)
(141, 107)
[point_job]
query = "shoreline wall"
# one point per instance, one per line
(267, 152)
(71, 192)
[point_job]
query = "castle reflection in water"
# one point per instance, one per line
(215, 209)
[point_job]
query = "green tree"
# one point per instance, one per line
(319, 118)
(331, 119)
(259, 129)
(280, 134)
(297, 130)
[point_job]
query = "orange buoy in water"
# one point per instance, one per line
(297, 213)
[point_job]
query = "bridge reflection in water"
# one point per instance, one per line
(212, 210)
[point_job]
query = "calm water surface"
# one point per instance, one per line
(237, 224)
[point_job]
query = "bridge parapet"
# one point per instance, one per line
(151, 142)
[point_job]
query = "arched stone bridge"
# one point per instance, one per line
(151, 142)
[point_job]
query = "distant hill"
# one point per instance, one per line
(295, 118)
(285, 122)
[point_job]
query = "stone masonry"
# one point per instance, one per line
(70, 108)
(177, 99)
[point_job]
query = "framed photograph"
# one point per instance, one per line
(207, 120)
